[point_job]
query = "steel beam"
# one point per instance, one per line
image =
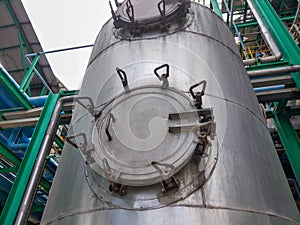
(285, 42)
(13, 89)
(271, 81)
(29, 122)
(8, 155)
(289, 140)
(254, 23)
(29, 75)
(276, 95)
(15, 197)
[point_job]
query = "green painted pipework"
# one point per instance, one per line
(13, 89)
(29, 74)
(289, 140)
(16, 194)
(216, 8)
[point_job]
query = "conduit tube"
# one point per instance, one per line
(40, 163)
(281, 70)
(268, 38)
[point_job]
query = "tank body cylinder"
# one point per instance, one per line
(237, 180)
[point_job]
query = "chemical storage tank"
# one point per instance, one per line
(167, 128)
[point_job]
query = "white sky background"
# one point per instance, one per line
(67, 23)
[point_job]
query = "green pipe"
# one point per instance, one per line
(16, 194)
(13, 89)
(8, 155)
(254, 23)
(29, 75)
(8, 169)
(22, 51)
(289, 140)
(216, 8)
(15, 160)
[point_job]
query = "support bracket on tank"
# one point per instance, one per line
(164, 76)
(205, 113)
(198, 95)
(117, 188)
(87, 103)
(123, 77)
(169, 184)
(208, 127)
(81, 144)
(166, 170)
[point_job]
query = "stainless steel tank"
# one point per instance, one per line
(167, 129)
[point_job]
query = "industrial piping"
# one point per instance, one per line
(40, 163)
(281, 70)
(277, 55)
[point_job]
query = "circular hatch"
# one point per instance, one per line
(132, 139)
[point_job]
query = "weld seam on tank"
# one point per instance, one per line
(210, 37)
(80, 212)
(241, 210)
(240, 104)
(153, 38)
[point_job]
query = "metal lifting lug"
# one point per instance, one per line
(117, 188)
(198, 96)
(169, 184)
(163, 77)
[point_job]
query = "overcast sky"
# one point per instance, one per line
(67, 23)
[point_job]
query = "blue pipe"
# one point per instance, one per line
(35, 101)
(268, 107)
(38, 101)
(237, 30)
(270, 88)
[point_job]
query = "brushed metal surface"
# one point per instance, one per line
(246, 185)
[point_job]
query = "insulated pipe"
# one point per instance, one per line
(281, 70)
(40, 164)
(268, 37)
